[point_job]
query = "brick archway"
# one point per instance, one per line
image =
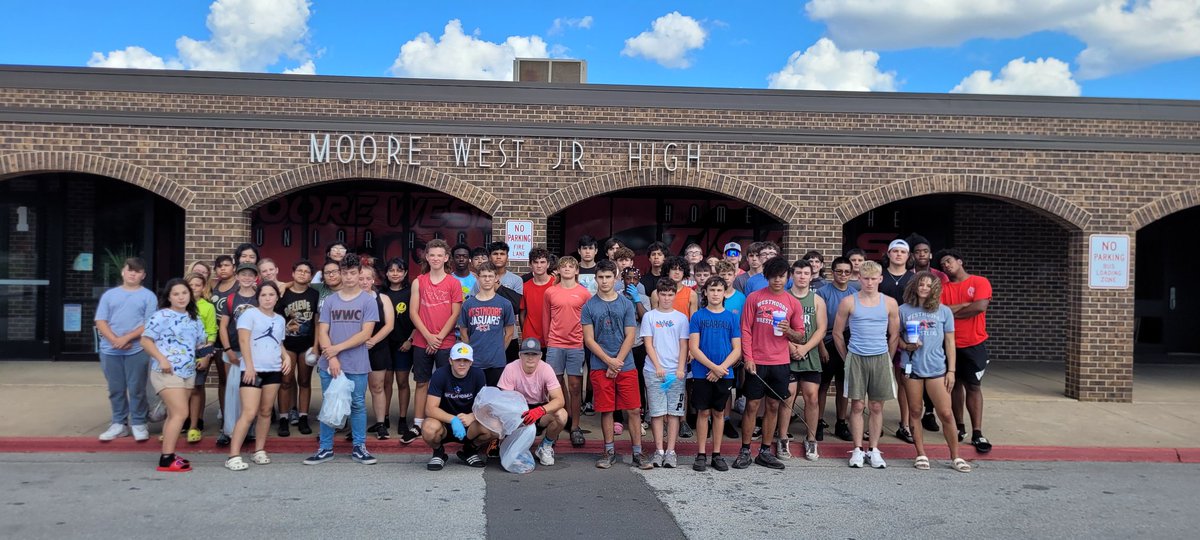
(263, 191)
(1163, 207)
(762, 199)
(78, 162)
(1062, 210)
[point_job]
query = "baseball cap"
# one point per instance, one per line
(247, 266)
(897, 243)
(530, 345)
(462, 351)
(733, 245)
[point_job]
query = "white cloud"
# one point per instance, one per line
(307, 68)
(245, 35)
(560, 24)
(1147, 32)
(1120, 35)
(456, 55)
(824, 67)
(131, 57)
(672, 37)
(1041, 77)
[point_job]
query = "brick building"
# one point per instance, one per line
(179, 166)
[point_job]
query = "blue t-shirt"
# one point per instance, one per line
(458, 395)
(735, 303)
(345, 318)
(485, 322)
(833, 298)
(717, 332)
(468, 284)
(759, 281)
(930, 359)
(124, 311)
(609, 321)
(176, 335)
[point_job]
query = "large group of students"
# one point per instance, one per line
(719, 348)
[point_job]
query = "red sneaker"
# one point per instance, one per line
(179, 465)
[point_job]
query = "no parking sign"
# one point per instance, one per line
(1108, 262)
(518, 234)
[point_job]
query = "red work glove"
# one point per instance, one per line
(533, 415)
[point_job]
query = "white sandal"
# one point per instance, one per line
(921, 463)
(260, 457)
(235, 463)
(961, 465)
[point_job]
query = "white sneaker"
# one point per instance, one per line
(141, 433)
(810, 451)
(545, 454)
(856, 458)
(114, 431)
(783, 449)
(876, 458)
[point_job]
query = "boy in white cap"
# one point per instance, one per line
(733, 254)
(448, 411)
(535, 380)
(895, 278)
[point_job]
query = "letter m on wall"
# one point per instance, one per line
(318, 152)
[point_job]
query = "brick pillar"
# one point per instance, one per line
(212, 229)
(520, 210)
(1099, 332)
(814, 227)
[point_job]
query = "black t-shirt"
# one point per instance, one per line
(650, 282)
(458, 395)
(893, 286)
(300, 309)
(403, 327)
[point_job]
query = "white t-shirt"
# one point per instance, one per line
(266, 338)
(666, 329)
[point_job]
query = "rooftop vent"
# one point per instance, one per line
(547, 70)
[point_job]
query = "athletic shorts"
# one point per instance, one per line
(869, 378)
(835, 367)
(659, 403)
(813, 377)
(493, 375)
(401, 361)
(381, 357)
(163, 381)
(298, 344)
(262, 378)
(568, 361)
(708, 395)
(424, 363)
(915, 377)
(970, 364)
(771, 382)
(610, 395)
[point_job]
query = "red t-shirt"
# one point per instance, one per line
(564, 311)
(970, 331)
(532, 304)
(436, 305)
(759, 342)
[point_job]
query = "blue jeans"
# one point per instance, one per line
(358, 410)
(127, 376)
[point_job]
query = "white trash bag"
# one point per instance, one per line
(500, 411)
(158, 409)
(335, 405)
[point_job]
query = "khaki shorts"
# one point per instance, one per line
(869, 378)
(161, 381)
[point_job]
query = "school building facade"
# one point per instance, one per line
(1060, 202)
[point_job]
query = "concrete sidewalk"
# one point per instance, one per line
(1024, 406)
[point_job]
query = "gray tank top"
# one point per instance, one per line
(868, 328)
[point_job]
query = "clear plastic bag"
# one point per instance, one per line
(335, 405)
(158, 409)
(501, 411)
(514, 451)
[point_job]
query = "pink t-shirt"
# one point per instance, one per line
(436, 306)
(563, 313)
(759, 342)
(534, 386)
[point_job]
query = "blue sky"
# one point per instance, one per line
(1102, 48)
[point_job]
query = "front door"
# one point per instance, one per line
(24, 284)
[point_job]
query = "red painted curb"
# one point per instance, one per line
(830, 450)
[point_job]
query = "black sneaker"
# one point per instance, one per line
(685, 431)
(929, 422)
(757, 434)
(742, 460)
(302, 425)
(588, 409)
(373, 427)
(381, 432)
(821, 427)
(577, 439)
(981, 444)
(223, 440)
(284, 430)
(767, 459)
(730, 431)
(842, 430)
(719, 463)
(904, 434)
(411, 435)
(701, 464)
